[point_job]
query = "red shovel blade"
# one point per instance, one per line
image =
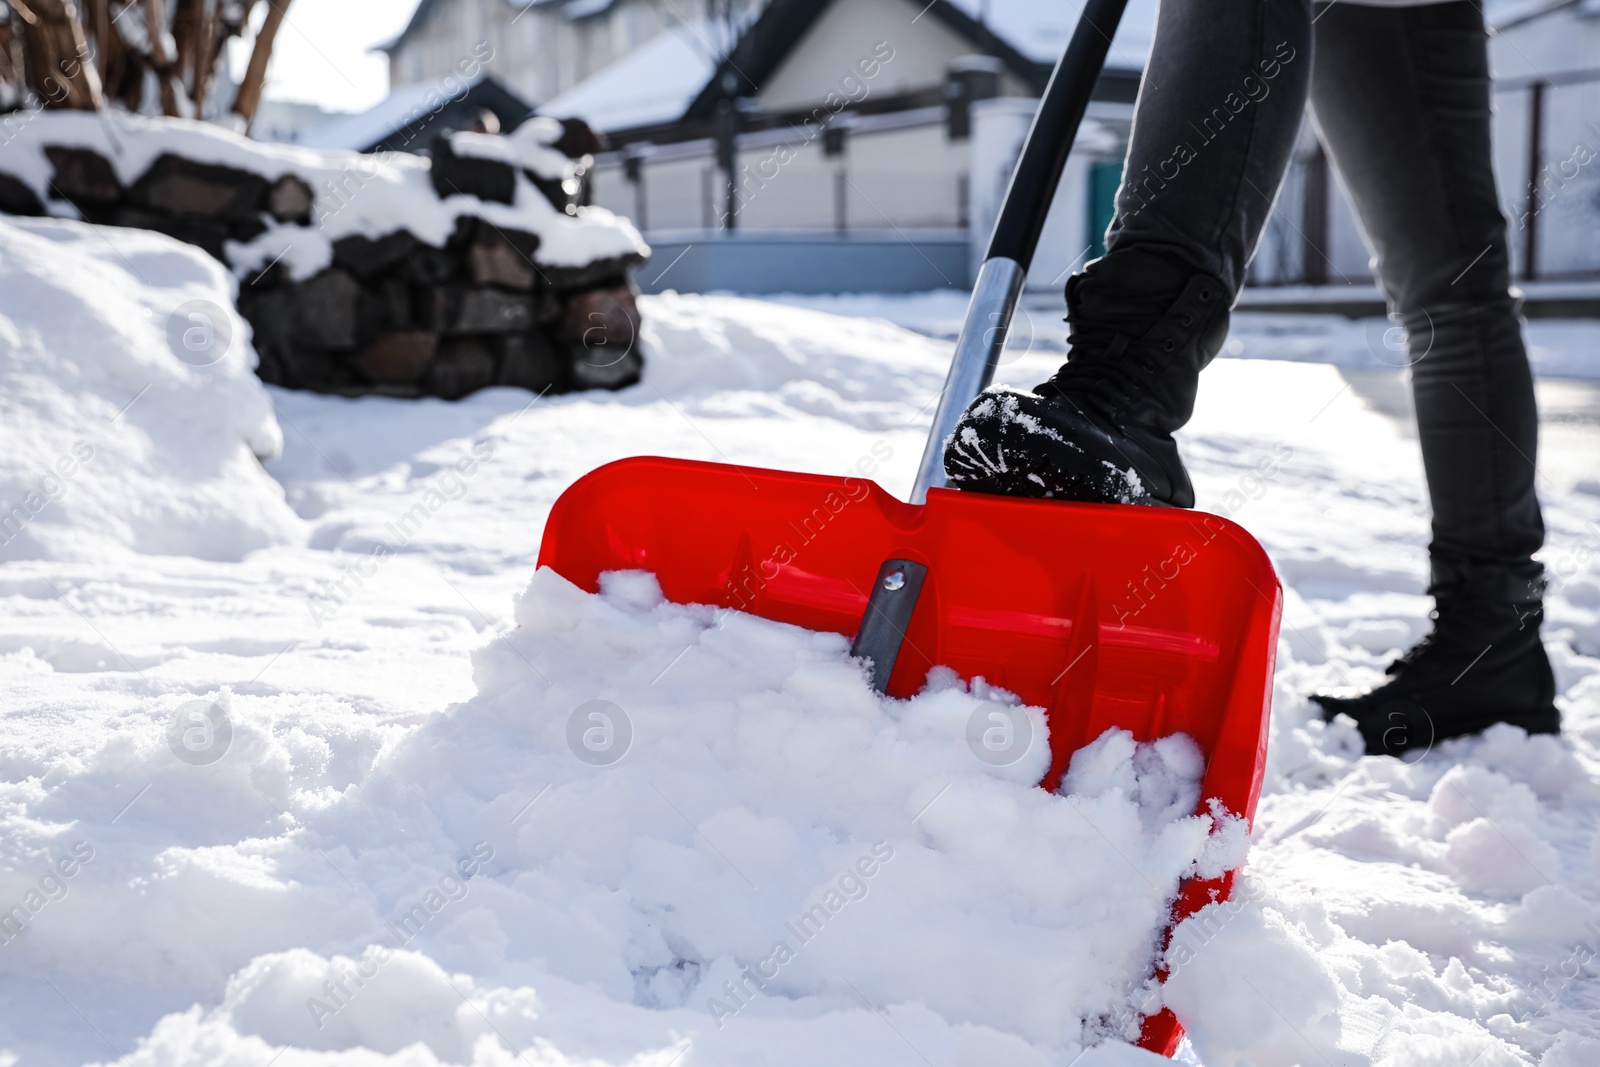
(1154, 620)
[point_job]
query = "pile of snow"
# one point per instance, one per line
(528, 147)
(355, 194)
(1444, 917)
(134, 418)
(656, 827)
(1442, 913)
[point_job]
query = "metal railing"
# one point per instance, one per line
(862, 183)
(1546, 144)
(1553, 207)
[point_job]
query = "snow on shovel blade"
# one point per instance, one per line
(1157, 621)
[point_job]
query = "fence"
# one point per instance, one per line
(901, 174)
(1546, 143)
(1547, 156)
(874, 176)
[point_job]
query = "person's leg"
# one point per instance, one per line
(1219, 108)
(1401, 97)
(1213, 129)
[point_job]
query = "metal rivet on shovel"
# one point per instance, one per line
(889, 609)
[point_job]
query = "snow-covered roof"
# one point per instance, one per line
(1039, 29)
(404, 106)
(582, 9)
(654, 83)
(658, 81)
(400, 108)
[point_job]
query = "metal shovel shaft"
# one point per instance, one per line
(1016, 231)
(983, 338)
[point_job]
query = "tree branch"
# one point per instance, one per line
(155, 21)
(255, 75)
(56, 54)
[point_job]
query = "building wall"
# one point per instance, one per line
(1286, 253)
(1065, 243)
(527, 46)
(900, 181)
(538, 51)
(903, 174)
(913, 176)
(847, 32)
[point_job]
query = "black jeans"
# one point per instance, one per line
(1401, 101)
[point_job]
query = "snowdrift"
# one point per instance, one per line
(656, 828)
(1448, 906)
(386, 273)
(134, 418)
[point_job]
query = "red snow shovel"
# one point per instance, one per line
(1153, 620)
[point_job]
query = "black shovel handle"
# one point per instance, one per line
(998, 286)
(1055, 124)
(995, 293)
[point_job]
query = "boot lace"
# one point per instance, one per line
(1100, 369)
(1418, 651)
(1443, 649)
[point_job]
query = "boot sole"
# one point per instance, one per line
(1543, 721)
(1375, 731)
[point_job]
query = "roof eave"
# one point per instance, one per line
(783, 23)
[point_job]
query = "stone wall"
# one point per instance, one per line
(392, 315)
(402, 318)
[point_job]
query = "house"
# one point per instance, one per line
(869, 140)
(540, 48)
(286, 121)
(754, 122)
(412, 116)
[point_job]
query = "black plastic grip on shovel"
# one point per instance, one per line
(995, 293)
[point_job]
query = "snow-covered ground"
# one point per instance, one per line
(319, 731)
(1567, 348)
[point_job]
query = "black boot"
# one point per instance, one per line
(1100, 430)
(1482, 664)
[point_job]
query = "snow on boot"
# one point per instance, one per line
(1482, 664)
(1100, 430)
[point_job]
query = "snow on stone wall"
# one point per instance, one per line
(365, 273)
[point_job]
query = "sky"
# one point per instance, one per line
(324, 52)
